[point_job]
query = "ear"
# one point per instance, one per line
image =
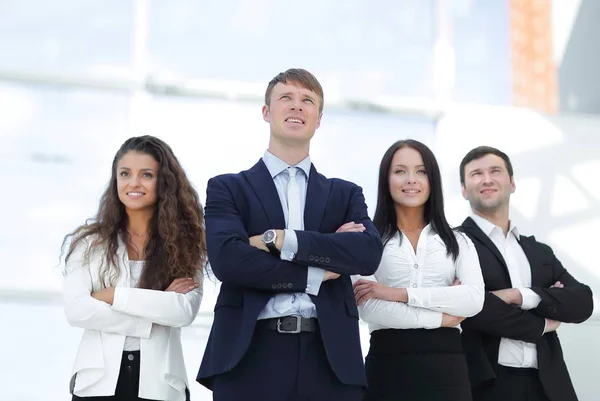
(319, 121)
(463, 190)
(266, 113)
(513, 186)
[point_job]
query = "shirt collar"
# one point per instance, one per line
(488, 227)
(276, 166)
(427, 230)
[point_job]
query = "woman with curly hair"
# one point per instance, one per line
(133, 278)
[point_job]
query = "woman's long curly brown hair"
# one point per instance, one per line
(176, 244)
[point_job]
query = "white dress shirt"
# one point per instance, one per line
(427, 275)
(513, 353)
(300, 303)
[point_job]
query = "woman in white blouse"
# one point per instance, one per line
(133, 277)
(428, 281)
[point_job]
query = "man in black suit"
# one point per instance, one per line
(512, 347)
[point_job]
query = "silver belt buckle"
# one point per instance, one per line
(296, 331)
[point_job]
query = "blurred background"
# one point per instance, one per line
(77, 78)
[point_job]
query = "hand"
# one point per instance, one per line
(330, 275)
(509, 295)
(351, 227)
(256, 241)
(279, 239)
(183, 285)
(558, 284)
(551, 325)
(451, 321)
(367, 289)
(105, 295)
(456, 282)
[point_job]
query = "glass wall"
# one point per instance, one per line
(78, 78)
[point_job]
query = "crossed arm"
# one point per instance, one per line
(239, 259)
(526, 315)
(127, 311)
(571, 302)
(430, 307)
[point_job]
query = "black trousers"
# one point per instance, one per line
(415, 365)
(514, 384)
(128, 383)
(284, 367)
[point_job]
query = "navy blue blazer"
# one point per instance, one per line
(242, 205)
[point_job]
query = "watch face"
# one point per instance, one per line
(269, 236)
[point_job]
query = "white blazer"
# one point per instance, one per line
(154, 316)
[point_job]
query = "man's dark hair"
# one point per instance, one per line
(480, 152)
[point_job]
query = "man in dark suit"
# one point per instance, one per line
(512, 347)
(284, 240)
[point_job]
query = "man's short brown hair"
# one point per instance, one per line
(297, 75)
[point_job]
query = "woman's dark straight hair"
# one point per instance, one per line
(385, 213)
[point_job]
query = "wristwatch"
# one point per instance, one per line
(269, 238)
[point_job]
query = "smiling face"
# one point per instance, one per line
(293, 113)
(137, 177)
(408, 180)
(487, 184)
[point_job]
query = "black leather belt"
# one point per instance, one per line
(289, 324)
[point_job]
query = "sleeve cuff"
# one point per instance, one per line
(429, 319)
(530, 298)
(413, 299)
(120, 299)
(289, 249)
(144, 328)
(314, 280)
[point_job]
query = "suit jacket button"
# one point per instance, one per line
(321, 259)
(290, 285)
(311, 257)
(274, 286)
(327, 260)
(554, 310)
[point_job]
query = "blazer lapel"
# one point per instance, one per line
(261, 181)
(123, 261)
(472, 228)
(317, 194)
(528, 244)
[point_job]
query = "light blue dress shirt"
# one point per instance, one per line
(301, 304)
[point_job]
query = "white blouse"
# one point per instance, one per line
(427, 275)
(135, 268)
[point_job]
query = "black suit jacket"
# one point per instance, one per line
(482, 333)
(239, 206)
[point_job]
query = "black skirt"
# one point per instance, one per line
(417, 364)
